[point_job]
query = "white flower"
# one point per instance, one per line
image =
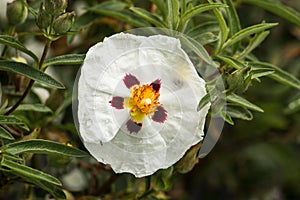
(138, 100)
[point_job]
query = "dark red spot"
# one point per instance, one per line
(133, 127)
(156, 85)
(130, 80)
(117, 102)
(160, 115)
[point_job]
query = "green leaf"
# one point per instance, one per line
(173, 14)
(239, 112)
(238, 100)
(149, 17)
(233, 18)
(12, 42)
(279, 74)
(203, 102)
(42, 147)
(206, 38)
(223, 28)
(196, 47)
(254, 42)
(246, 32)
(200, 9)
(260, 72)
(117, 10)
(30, 72)
(5, 134)
(30, 173)
(232, 62)
(69, 59)
(56, 192)
(10, 120)
(34, 107)
(277, 8)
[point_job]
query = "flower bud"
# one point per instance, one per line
(64, 22)
(16, 12)
(55, 7)
(43, 19)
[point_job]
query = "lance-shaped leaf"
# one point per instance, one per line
(149, 17)
(197, 48)
(30, 173)
(12, 42)
(10, 120)
(238, 100)
(5, 134)
(42, 147)
(173, 13)
(200, 9)
(246, 32)
(69, 59)
(117, 10)
(277, 8)
(34, 107)
(30, 72)
(279, 74)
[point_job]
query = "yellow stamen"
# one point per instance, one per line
(143, 101)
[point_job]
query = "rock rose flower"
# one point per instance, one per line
(137, 103)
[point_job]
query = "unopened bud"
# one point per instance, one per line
(55, 7)
(43, 19)
(64, 23)
(16, 12)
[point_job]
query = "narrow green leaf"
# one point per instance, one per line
(69, 59)
(200, 9)
(211, 26)
(42, 147)
(173, 13)
(279, 74)
(30, 173)
(197, 48)
(238, 100)
(116, 9)
(203, 102)
(239, 112)
(149, 17)
(260, 72)
(277, 8)
(206, 38)
(5, 134)
(254, 42)
(56, 192)
(233, 18)
(246, 32)
(34, 107)
(30, 72)
(223, 28)
(12, 42)
(10, 120)
(232, 62)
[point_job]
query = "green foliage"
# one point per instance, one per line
(37, 133)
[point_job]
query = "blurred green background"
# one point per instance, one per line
(257, 159)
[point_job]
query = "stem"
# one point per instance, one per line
(30, 84)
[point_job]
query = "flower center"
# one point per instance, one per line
(143, 101)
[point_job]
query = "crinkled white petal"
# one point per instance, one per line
(103, 127)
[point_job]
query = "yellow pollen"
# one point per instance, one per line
(143, 101)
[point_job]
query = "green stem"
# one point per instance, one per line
(30, 84)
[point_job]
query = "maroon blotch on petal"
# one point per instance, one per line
(156, 85)
(130, 80)
(133, 127)
(117, 102)
(160, 115)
